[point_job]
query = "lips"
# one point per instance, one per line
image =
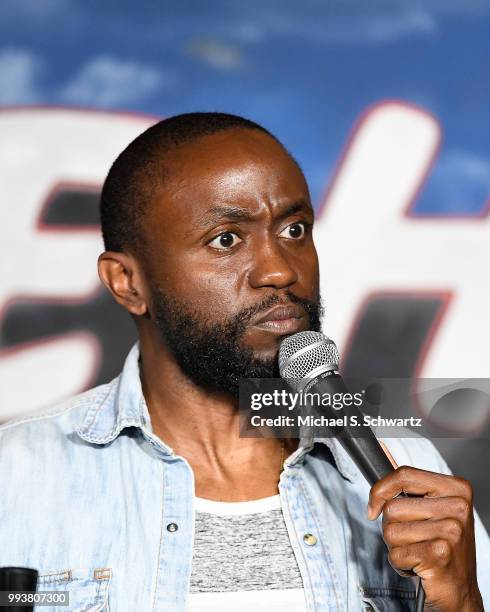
(279, 313)
(282, 319)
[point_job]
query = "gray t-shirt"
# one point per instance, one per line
(243, 558)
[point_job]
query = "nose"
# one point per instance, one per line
(271, 266)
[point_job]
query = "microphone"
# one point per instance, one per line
(14, 580)
(309, 362)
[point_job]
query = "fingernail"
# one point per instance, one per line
(370, 512)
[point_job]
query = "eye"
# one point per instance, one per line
(224, 241)
(294, 231)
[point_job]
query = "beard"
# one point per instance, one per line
(214, 356)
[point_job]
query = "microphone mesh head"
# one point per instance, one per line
(302, 353)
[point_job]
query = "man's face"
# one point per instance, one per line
(230, 259)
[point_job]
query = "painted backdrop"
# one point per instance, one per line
(385, 106)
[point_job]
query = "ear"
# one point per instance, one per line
(120, 274)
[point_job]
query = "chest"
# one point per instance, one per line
(122, 532)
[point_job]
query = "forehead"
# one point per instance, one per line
(230, 167)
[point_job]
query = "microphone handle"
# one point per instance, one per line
(368, 455)
(358, 440)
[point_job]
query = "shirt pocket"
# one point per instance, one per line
(387, 599)
(88, 589)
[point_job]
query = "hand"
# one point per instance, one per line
(431, 535)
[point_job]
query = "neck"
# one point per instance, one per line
(203, 427)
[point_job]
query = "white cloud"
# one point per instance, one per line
(19, 71)
(375, 26)
(32, 13)
(389, 28)
(215, 53)
(379, 28)
(105, 81)
(246, 32)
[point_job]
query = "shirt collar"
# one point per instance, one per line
(343, 462)
(124, 406)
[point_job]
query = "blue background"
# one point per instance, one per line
(305, 70)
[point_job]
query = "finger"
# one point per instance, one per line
(403, 509)
(411, 480)
(404, 534)
(421, 557)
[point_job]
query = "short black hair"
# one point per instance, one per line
(140, 168)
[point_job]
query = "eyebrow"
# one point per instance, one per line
(236, 213)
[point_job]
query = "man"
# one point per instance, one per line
(140, 494)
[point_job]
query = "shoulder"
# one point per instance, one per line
(55, 422)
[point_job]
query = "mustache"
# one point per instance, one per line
(247, 314)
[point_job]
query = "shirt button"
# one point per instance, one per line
(172, 527)
(310, 539)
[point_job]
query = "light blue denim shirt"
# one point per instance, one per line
(88, 493)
